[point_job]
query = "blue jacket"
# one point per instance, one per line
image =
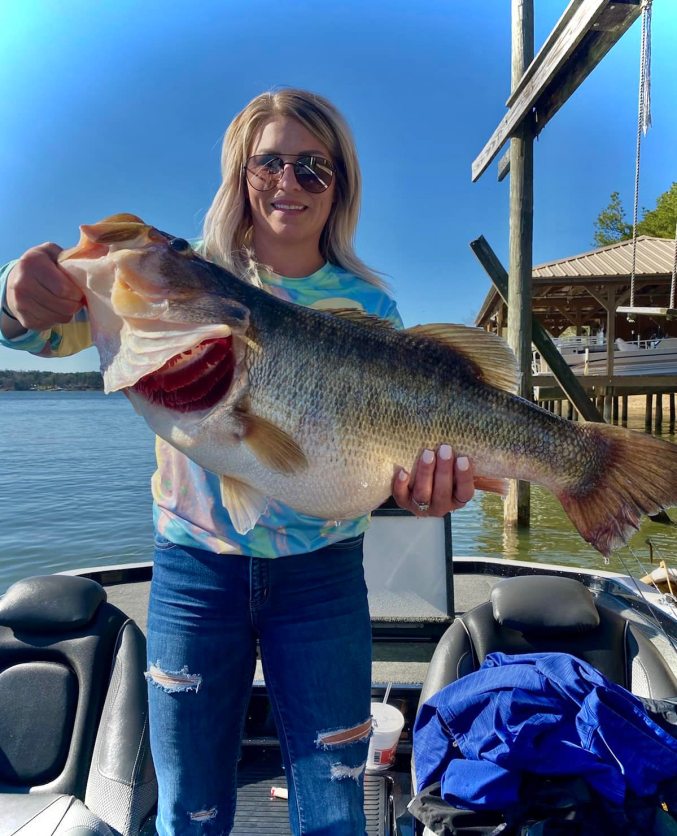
(545, 713)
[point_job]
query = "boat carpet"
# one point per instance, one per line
(257, 813)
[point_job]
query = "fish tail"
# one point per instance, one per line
(632, 474)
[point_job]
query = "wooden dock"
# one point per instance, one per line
(611, 394)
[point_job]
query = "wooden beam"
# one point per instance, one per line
(553, 74)
(615, 20)
(563, 374)
(610, 329)
(517, 505)
(542, 54)
(504, 166)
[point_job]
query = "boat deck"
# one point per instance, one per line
(404, 643)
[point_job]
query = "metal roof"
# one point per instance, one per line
(655, 256)
(572, 291)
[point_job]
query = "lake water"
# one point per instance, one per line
(75, 469)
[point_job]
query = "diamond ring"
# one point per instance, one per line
(422, 506)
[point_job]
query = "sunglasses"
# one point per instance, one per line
(313, 174)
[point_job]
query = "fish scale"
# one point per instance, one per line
(325, 407)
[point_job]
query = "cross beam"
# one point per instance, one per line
(581, 38)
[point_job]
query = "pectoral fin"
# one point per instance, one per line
(243, 503)
(272, 446)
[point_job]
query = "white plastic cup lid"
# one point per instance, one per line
(386, 718)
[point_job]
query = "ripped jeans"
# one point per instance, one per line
(311, 617)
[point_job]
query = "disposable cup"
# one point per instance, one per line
(387, 723)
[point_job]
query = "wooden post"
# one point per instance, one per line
(516, 507)
(607, 405)
(614, 409)
(671, 402)
(647, 413)
(659, 412)
(567, 380)
(610, 330)
(624, 410)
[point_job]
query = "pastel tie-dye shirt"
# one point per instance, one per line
(187, 505)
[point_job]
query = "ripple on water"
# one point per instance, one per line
(75, 469)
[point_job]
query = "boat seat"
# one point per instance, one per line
(74, 749)
(549, 614)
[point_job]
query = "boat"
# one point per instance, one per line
(588, 356)
(73, 731)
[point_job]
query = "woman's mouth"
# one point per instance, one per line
(286, 206)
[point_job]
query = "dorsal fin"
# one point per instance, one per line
(360, 317)
(492, 356)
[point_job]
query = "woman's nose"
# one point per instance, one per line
(288, 178)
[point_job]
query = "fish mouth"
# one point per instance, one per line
(193, 380)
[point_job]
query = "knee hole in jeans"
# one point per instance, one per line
(173, 681)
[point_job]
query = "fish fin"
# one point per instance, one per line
(114, 230)
(636, 475)
(490, 484)
(122, 217)
(274, 448)
(490, 354)
(360, 317)
(243, 503)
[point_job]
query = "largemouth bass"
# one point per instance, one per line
(320, 409)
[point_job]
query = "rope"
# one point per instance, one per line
(643, 123)
(651, 610)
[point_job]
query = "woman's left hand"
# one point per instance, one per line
(437, 484)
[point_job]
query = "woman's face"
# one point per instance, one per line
(287, 214)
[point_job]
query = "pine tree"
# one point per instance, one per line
(611, 225)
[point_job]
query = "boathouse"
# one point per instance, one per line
(576, 299)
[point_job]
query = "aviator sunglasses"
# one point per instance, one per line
(313, 174)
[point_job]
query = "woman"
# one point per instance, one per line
(284, 216)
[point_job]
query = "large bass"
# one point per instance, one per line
(321, 409)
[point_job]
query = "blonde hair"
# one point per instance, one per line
(227, 236)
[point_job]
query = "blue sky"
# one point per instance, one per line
(120, 106)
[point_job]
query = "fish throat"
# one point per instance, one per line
(194, 380)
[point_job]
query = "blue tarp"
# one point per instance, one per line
(543, 713)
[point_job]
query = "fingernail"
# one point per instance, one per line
(428, 457)
(403, 475)
(444, 452)
(462, 463)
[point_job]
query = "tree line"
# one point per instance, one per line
(612, 225)
(33, 380)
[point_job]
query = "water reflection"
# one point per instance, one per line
(478, 530)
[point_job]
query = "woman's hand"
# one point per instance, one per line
(39, 293)
(437, 484)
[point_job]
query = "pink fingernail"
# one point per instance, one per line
(428, 457)
(462, 463)
(403, 475)
(445, 452)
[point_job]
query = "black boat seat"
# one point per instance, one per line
(546, 614)
(74, 750)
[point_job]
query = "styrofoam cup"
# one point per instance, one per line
(387, 723)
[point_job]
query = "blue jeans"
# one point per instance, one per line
(311, 617)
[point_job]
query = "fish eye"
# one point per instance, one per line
(179, 245)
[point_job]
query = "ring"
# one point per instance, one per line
(422, 506)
